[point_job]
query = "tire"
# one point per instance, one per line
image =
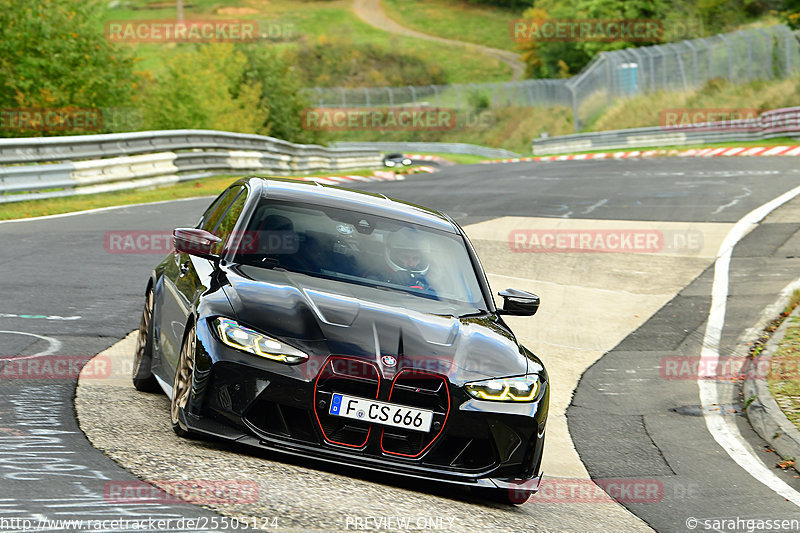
(143, 378)
(182, 384)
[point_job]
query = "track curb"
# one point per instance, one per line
(793, 150)
(763, 412)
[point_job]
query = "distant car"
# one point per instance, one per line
(347, 327)
(396, 160)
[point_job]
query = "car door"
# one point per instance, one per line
(186, 277)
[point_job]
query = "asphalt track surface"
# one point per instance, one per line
(60, 285)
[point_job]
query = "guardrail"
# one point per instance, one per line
(769, 125)
(86, 164)
(435, 147)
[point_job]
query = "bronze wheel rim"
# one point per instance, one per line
(183, 377)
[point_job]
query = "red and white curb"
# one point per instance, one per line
(378, 175)
(692, 152)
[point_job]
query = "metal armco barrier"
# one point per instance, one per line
(85, 164)
(769, 125)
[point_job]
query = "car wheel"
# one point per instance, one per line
(143, 378)
(182, 384)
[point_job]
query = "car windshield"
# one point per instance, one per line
(366, 250)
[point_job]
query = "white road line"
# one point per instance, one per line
(721, 428)
(54, 344)
(594, 206)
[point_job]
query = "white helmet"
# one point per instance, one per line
(408, 250)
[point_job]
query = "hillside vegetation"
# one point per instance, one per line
(55, 54)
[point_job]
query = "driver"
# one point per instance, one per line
(408, 257)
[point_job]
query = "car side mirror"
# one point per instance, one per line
(197, 242)
(518, 303)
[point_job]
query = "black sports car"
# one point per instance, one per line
(348, 327)
(396, 160)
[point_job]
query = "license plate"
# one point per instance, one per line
(388, 414)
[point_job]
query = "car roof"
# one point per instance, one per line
(359, 201)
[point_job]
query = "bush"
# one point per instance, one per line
(202, 88)
(54, 55)
(340, 63)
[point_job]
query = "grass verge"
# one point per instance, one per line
(189, 189)
(457, 20)
(784, 376)
(322, 21)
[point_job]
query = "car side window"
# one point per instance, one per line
(231, 216)
(214, 213)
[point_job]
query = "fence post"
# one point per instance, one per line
(710, 51)
(575, 118)
(730, 55)
(413, 94)
(366, 96)
(391, 97)
(788, 53)
(694, 63)
(746, 38)
(767, 50)
(679, 61)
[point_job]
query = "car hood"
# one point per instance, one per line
(327, 317)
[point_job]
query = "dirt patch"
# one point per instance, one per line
(236, 11)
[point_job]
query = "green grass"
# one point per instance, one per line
(322, 21)
(784, 377)
(459, 159)
(456, 19)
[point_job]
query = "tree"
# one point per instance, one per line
(281, 94)
(54, 54)
(202, 87)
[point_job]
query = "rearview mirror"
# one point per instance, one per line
(195, 242)
(518, 303)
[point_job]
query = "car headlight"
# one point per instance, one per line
(521, 389)
(406, 162)
(247, 340)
